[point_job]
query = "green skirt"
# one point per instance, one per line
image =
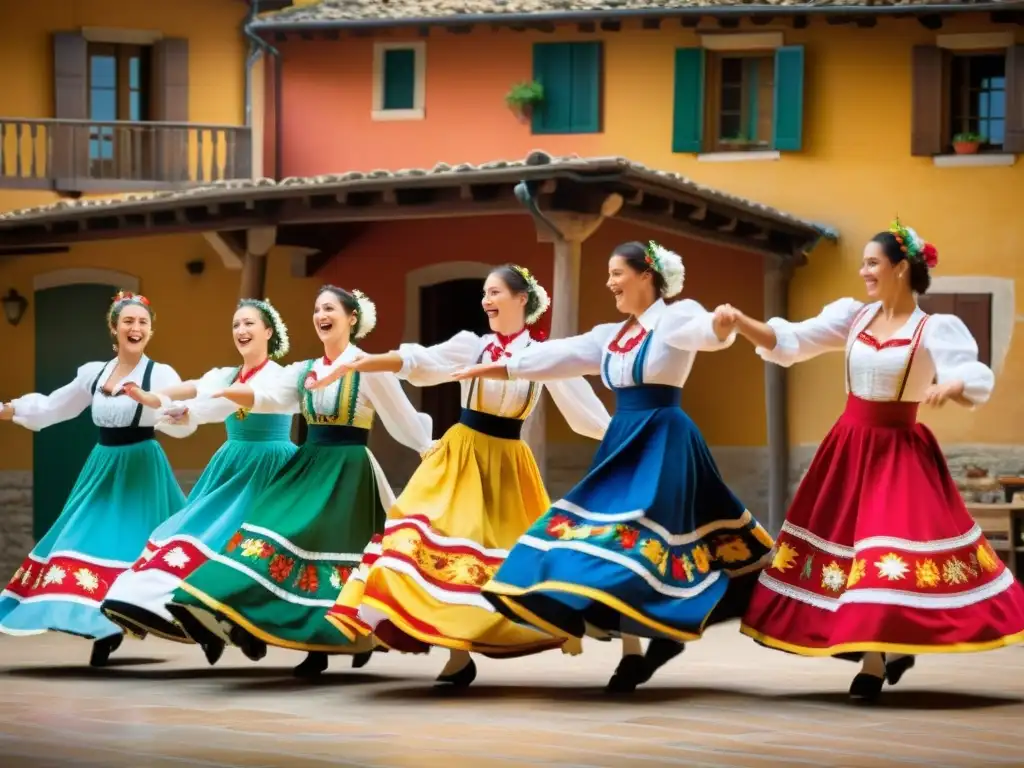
(282, 570)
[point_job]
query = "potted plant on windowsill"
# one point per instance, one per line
(967, 143)
(523, 97)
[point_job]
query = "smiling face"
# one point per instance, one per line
(881, 277)
(332, 321)
(251, 334)
(633, 290)
(506, 311)
(133, 328)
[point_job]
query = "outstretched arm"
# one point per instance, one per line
(37, 411)
(784, 343)
(387, 363)
(689, 326)
(186, 390)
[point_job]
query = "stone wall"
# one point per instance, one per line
(744, 469)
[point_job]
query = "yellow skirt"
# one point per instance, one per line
(450, 530)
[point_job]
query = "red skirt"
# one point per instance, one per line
(879, 553)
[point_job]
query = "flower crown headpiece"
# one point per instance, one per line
(669, 265)
(913, 245)
(122, 298)
(367, 315)
(279, 342)
(536, 308)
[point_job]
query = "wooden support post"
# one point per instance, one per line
(777, 275)
(258, 242)
(567, 233)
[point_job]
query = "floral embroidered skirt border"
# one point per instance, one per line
(239, 471)
(879, 552)
(284, 566)
(122, 493)
(651, 542)
(449, 531)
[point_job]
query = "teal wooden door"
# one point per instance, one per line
(70, 330)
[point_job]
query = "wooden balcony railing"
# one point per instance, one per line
(96, 156)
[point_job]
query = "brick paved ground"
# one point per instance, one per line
(725, 702)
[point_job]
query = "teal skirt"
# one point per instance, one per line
(258, 446)
(122, 493)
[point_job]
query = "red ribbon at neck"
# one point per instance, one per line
(497, 350)
(243, 377)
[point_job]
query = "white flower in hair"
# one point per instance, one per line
(669, 265)
(367, 314)
(537, 291)
(282, 343)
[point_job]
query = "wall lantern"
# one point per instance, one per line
(14, 306)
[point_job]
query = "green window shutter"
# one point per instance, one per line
(789, 99)
(688, 101)
(571, 76)
(399, 78)
(586, 87)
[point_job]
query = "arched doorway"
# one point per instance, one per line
(70, 311)
(445, 309)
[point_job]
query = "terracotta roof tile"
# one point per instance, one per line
(226, 190)
(341, 11)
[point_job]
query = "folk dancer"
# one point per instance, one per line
(258, 445)
(284, 566)
(475, 493)
(124, 491)
(879, 558)
(651, 543)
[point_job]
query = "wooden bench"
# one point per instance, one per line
(1003, 526)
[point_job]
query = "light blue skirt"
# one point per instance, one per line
(257, 447)
(122, 493)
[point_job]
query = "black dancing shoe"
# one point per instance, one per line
(101, 650)
(253, 648)
(360, 660)
(463, 678)
(894, 670)
(631, 672)
(213, 650)
(314, 665)
(866, 687)
(660, 652)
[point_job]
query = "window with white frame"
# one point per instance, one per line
(399, 81)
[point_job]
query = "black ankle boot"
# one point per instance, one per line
(866, 687)
(631, 672)
(314, 665)
(101, 650)
(360, 660)
(253, 648)
(894, 670)
(213, 650)
(461, 679)
(660, 652)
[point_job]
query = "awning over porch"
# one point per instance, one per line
(660, 200)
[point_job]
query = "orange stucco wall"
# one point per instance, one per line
(216, 57)
(855, 171)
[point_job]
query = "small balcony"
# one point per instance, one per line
(90, 156)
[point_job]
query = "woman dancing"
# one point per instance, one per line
(477, 491)
(124, 491)
(648, 542)
(257, 446)
(879, 558)
(283, 567)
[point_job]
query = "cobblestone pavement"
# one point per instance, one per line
(725, 702)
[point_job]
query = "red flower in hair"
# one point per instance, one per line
(930, 255)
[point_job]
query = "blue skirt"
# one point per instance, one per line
(651, 542)
(122, 493)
